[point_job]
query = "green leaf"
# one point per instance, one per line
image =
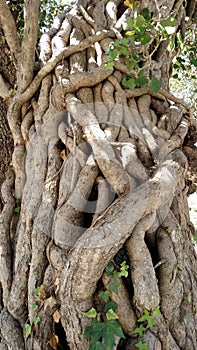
(110, 305)
(113, 53)
(193, 60)
(172, 43)
(155, 85)
(124, 41)
(17, 209)
(111, 315)
(179, 40)
(136, 57)
(114, 327)
(141, 81)
(147, 14)
(27, 330)
(124, 269)
(92, 313)
(97, 330)
(124, 82)
(140, 21)
(131, 83)
(37, 290)
(96, 346)
(116, 274)
(145, 38)
(109, 269)
(34, 307)
(130, 64)
(148, 318)
(104, 295)
(142, 346)
(128, 24)
(124, 51)
(36, 320)
(139, 330)
(169, 229)
(156, 311)
(186, 319)
(114, 287)
(169, 22)
(109, 65)
(130, 33)
(189, 298)
(88, 332)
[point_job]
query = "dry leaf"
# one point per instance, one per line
(56, 316)
(57, 281)
(50, 303)
(54, 340)
(63, 154)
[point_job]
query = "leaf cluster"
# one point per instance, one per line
(147, 321)
(102, 332)
(140, 28)
(39, 296)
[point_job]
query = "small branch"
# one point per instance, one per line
(66, 52)
(27, 59)
(161, 94)
(10, 31)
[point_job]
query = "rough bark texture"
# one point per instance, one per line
(99, 175)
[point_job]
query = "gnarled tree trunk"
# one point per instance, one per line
(99, 174)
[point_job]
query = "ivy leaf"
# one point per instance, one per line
(104, 295)
(124, 51)
(193, 60)
(111, 315)
(92, 313)
(136, 57)
(148, 318)
(114, 287)
(27, 330)
(124, 269)
(109, 269)
(36, 320)
(145, 38)
(142, 346)
(113, 53)
(96, 346)
(141, 81)
(88, 332)
(111, 329)
(97, 330)
(147, 14)
(169, 229)
(128, 24)
(109, 65)
(37, 290)
(111, 305)
(130, 64)
(140, 21)
(169, 22)
(34, 307)
(172, 42)
(156, 311)
(139, 330)
(155, 85)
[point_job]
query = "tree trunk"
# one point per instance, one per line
(98, 174)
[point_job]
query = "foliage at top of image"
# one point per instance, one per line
(49, 9)
(141, 28)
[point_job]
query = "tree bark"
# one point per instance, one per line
(99, 173)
